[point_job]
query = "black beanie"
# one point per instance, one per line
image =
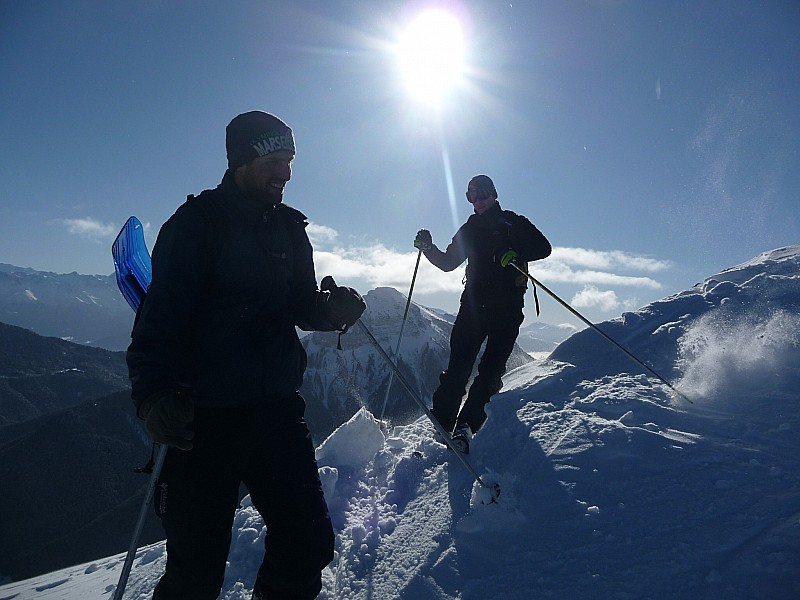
(253, 134)
(483, 182)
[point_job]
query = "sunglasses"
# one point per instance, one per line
(476, 194)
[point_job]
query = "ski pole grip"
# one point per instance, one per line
(328, 284)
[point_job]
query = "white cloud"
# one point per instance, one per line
(591, 297)
(90, 228)
(380, 266)
(600, 259)
(553, 270)
(321, 234)
(370, 265)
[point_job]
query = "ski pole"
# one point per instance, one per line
(400, 336)
(137, 532)
(598, 330)
(495, 491)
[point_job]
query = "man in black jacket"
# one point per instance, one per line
(215, 364)
(491, 304)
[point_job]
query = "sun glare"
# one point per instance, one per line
(431, 54)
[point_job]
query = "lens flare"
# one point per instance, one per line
(431, 54)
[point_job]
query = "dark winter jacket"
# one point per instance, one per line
(481, 241)
(231, 279)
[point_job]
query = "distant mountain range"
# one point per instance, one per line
(89, 310)
(543, 337)
(86, 309)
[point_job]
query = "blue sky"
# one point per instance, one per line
(654, 143)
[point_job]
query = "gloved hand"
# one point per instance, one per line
(168, 416)
(423, 241)
(507, 256)
(344, 306)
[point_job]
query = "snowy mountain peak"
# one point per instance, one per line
(386, 296)
(782, 261)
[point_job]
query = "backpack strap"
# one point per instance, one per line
(213, 242)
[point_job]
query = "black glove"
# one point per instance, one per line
(344, 306)
(423, 241)
(168, 416)
(507, 257)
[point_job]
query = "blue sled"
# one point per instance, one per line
(132, 263)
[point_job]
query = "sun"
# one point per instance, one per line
(431, 55)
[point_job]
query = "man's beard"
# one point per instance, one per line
(273, 196)
(270, 195)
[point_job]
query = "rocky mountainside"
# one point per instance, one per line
(86, 309)
(69, 487)
(68, 443)
(40, 375)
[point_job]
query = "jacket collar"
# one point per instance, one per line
(488, 218)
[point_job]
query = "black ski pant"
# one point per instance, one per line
(499, 327)
(269, 449)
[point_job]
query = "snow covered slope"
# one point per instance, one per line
(610, 487)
